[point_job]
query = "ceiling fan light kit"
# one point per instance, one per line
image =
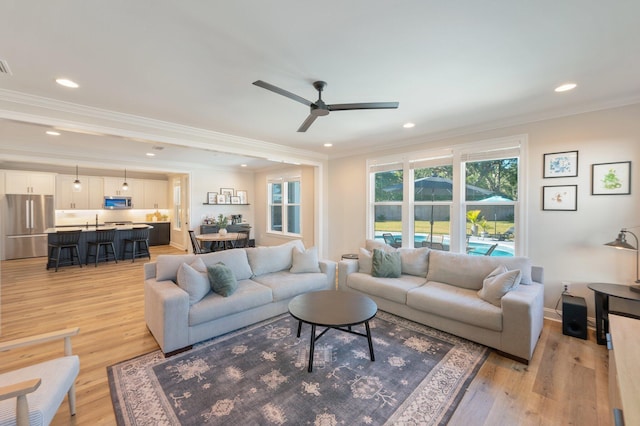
(319, 108)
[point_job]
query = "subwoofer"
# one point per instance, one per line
(574, 316)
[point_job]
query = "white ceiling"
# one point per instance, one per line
(179, 74)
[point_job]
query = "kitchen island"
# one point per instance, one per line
(88, 233)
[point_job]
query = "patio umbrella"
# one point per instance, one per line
(435, 187)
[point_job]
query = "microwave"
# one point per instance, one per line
(117, 203)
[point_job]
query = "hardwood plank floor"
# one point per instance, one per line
(565, 384)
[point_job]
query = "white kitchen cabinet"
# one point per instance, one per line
(67, 197)
(96, 192)
(155, 194)
(23, 182)
(113, 187)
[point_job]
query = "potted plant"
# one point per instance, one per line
(222, 224)
(474, 217)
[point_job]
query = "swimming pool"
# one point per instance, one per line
(476, 248)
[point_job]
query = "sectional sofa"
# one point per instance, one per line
(182, 309)
(494, 301)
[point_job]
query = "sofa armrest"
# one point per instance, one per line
(328, 267)
(166, 312)
(346, 267)
(149, 270)
(522, 319)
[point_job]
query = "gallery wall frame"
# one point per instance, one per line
(560, 198)
(212, 197)
(560, 164)
(611, 178)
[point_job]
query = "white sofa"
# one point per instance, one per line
(267, 279)
(441, 289)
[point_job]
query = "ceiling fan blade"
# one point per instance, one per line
(307, 123)
(282, 92)
(364, 105)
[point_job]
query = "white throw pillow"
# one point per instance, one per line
(498, 283)
(415, 261)
(365, 261)
(194, 280)
(305, 260)
(265, 260)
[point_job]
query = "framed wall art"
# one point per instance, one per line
(611, 178)
(212, 197)
(243, 196)
(235, 200)
(222, 199)
(560, 197)
(561, 164)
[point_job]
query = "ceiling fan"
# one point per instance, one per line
(319, 108)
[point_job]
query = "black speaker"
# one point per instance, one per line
(574, 316)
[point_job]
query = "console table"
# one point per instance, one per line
(602, 292)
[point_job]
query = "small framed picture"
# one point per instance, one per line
(560, 197)
(561, 164)
(235, 200)
(243, 196)
(611, 178)
(227, 191)
(222, 199)
(212, 197)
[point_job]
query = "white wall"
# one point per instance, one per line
(212, 181)
(569, 245)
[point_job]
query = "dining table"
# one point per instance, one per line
(217, 238)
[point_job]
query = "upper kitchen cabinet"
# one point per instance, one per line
(89, 197)
(67, 197)
(21, 182)
(155, 194)
(113, 186)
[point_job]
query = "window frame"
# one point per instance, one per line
(459, 154)
(284, 205)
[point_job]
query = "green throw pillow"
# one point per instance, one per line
(222, 279)
(386, 265)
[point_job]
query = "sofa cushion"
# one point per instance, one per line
(304, 260)
(466, 271)
(386, 264)
(236, 259)
(456, 303)
(498, 283)
(415, 261)
(249, 295)
(394, 289)
(194, 280)
(285, 285)
(264, 260)
(222, 279)
(167, 265)
(375, 244)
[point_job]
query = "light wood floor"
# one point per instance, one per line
(565, 384)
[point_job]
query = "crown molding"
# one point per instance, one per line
(82, 118)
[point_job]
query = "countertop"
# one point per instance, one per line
(93, 228)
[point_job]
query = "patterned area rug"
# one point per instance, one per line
(258, 376)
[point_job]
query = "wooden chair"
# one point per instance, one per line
(242, 240)
(195, 244)
(104, 239)
(44, 384)
(137, 244)
(64, 241)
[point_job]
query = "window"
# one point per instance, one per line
(177, 204)
(463, 199)
(285, 207)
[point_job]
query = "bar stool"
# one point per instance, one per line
(64, 240)
(139, 240)
(104, 239)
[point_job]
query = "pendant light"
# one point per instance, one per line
(125, 185)
(77, 185)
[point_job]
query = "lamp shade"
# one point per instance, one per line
(621, 242)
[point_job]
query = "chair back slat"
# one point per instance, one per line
(64, 238)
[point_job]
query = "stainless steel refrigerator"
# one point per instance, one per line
(25, 219)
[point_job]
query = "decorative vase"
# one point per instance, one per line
(222, 231)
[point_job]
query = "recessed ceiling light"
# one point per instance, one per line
(150, 154)
(67, 83)
(243, 165)
(565, 87)
(52, 133)
(328, 145)
(408, 125)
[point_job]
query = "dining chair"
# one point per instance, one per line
(195, 244)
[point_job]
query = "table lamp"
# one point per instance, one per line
(621, 243)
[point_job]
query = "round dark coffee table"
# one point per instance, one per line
(333, 309)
